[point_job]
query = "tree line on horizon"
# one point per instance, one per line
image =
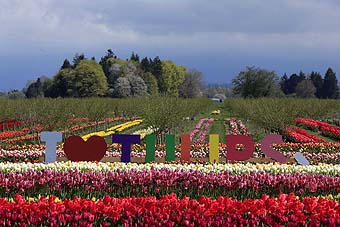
(118, 78)
(256, 82)
(133, 77)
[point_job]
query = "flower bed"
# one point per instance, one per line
(33, 132)
(236, 127)
(200, 132)
(9, 134)
(120, 194)
(301, 136)
(113, 129)
(169, 210)
(10, 124)
(144, 132)
(234, 169)
(92, 124)
(316, 158)
(326, 129)
(157, 182)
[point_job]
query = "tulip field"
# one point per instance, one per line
(255, 192)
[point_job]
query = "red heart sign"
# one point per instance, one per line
(76, 149)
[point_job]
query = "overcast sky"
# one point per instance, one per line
(217, 37)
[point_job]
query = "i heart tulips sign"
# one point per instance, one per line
(94, 149)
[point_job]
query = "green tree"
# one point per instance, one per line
(192, 85)
(15, 94)
(86, 80)
(89, 79)
(35, 90)
(63, 84)
(49, 88)
(306, 89)
(256, 82)
(151, 83)
(330, 89)
(172, 78)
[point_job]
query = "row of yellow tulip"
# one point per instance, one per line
(114, 129)
(144, 132)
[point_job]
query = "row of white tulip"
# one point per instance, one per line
(274, 168)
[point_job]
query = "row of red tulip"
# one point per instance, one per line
(18, 134)
(10, 134)
(10, 124)
(301, 136)
(22, 138)
(285, 210)
(329, 130)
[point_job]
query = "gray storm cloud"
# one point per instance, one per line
(192, 25)
(218, 37)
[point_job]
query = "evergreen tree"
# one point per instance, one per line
(134, 57)
(49, 88)
(302, 76)
(66, 64)
(293, 81)
(105, 63)
(63, 84)
(109, 54)
(317, 80)
(330, 87)
(77, 58)
(284, 84)
(156, 69)
(137, 58)
(145, 65)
